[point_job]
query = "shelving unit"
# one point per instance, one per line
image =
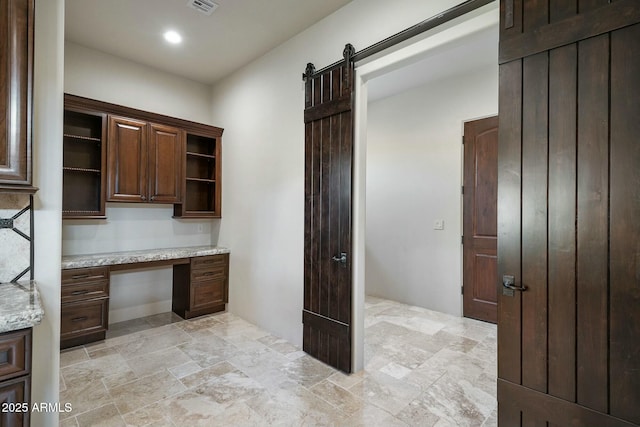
(202, 178)
(83, 164)
(116, 153)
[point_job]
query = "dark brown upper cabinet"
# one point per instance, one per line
(144, 161)
(127, 160)
(166, 150)
(120, 154)
(16, 71)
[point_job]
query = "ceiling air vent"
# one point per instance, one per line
(203, 6)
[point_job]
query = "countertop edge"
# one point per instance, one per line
(26, 318)
(139, 256)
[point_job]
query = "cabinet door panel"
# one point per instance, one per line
(207, 293)
(127, 157)
(15, 354)
(166, 158)
(15, 392)
(16, 54)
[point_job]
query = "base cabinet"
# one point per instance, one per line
(201, 287)
(15, 378)
(84, 313)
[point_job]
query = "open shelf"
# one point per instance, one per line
(83, 165)
(82, 138)
(202, 177)
(70, 169)
(208, 156)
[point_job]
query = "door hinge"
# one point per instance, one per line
(462, 190)
(462, 239)
(463, 139)
(461, 290)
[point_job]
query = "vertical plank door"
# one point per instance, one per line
(568, 209)
(328, 118)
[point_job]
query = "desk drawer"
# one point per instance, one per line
(15, 354)
(208, 274)
(84, 291)
(80, 318)
(213, 261)
(84, 275)
(207, 293)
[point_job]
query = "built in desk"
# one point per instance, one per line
(200, 286)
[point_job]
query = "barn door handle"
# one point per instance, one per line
(341, 259)
(509, 282)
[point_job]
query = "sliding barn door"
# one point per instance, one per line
(328, 118)
(569, 213)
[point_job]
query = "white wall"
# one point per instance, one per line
(47, 175)
(414, 174)
(261, 109)
(108, 78)
(96, 75)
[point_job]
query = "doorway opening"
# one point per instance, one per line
(408, 165)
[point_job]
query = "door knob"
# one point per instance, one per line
(341, 259)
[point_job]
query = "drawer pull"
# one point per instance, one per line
(85, 291)
(87, 276)
(79, 319)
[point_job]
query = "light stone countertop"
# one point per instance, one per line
(20, 306)
(133, 257)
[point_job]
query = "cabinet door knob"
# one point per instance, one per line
(143, 198)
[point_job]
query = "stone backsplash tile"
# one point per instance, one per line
(15, 250)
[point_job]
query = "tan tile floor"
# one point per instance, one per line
(423, 368)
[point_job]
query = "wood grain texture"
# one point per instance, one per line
(509, 220)
(592, 223)
(534, 221)
(328, 159)
(562, 221)
(577, 360)
(624, 351)
(546, 408)
(587, 24)
(166, 158)
(562, 9)
(16, 86)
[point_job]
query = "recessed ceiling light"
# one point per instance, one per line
(172, 37)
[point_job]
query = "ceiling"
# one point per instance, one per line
(461, 56)
(237, 32)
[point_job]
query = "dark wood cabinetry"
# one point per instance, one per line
(83, 164)
(145, 157)
(201, 287)
(202, 178)
(84, 305)
(15, 378)
(127, 160)
(166, 150)
(144, 161)
(16, 71)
